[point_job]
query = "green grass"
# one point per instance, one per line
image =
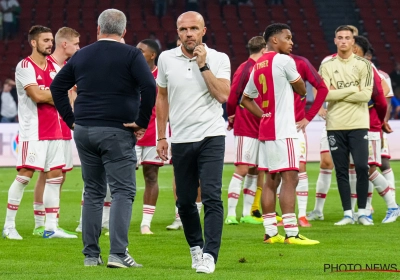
(165, 255)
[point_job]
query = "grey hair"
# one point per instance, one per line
(112, 21)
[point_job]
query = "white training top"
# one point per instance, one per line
(193, 113)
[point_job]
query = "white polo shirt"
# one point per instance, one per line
(193, 113)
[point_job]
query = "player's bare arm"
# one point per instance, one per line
(162, 111)
(299, 87)
(38, 95)
(252, 106)
(218, 88)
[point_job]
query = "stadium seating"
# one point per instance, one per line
(229, 26)
(380, 25)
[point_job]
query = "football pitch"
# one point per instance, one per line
(165, 255)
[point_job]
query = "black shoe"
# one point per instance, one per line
(256, 213)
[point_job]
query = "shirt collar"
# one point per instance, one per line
(107, 39)
(346, 59)
(178, 51)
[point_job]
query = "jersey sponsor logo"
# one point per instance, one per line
(267, 115)
(43, 87)
(39, 77)
(341, 84)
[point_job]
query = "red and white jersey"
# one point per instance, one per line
(37, 121)
(66, 131)
(388, 81)
(271, 78)
(328, 57)
(245, 123)
(150, 137)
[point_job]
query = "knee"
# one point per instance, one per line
(385, 164)
(326, 163)
(362, 168)
(372, 169)
(150, 175)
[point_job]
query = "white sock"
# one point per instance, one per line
(51, 201)
(15, 194)
(350, 213)
(39, 214)
(389, 176)
(368, 207)
(353, 187)
(290, 224)
(249, 191)
(382, 186)
(199, 205)
(80, 219)
(270, 224)
(233, 193)
(105, 220)
(148, 213)
(176, 213)
(302, 194)
(323, 185)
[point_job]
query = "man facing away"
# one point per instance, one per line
(116, 94)
(245, 128)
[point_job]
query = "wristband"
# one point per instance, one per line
(159, 139)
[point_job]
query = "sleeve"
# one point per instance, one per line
(224, 69)
(25, 74)
(292, 75)
(251, 90)
(233, 95)
(366, 84)
(312, 76)
(63, 81)
(335, 94)
(378, 97)
(389, 82)
(162, 80)
(145, 79)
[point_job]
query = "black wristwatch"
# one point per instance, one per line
(204, 68)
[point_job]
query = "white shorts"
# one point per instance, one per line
(303, 146)
(148, 155)
(374, 148)
(385, 153)
(279, 155)
(68, 156)
(324, 144)
(42, 155)
(246, 150)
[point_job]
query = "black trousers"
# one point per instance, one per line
(342, 143)
(202, 161)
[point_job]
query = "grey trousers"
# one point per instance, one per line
(107, 155)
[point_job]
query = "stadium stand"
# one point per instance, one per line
(229, 26)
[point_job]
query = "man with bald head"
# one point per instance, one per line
(193, 81)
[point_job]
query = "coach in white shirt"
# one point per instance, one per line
(193, 81)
